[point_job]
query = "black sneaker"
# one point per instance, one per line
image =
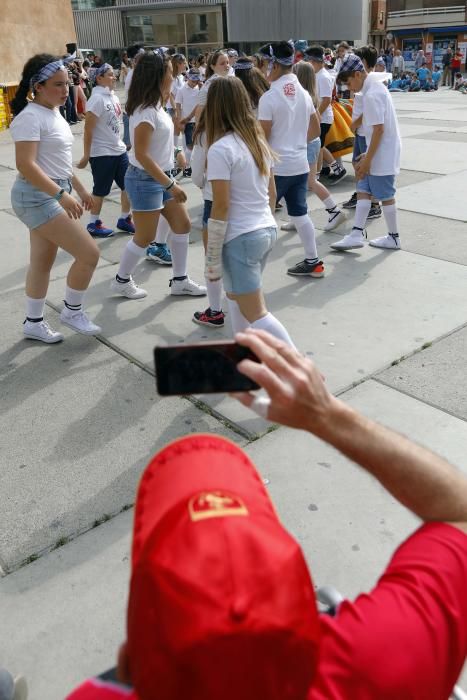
(175, 171)
(351, 203)
(209, 318)
(375, 212)
(325, 172)
(337, 176)
(279, 206)
(187, 172)
(305, 268)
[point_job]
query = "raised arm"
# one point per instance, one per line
(419, 479)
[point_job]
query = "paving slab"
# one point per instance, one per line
(436, 375)
(455, 136)
(89, 420)
(435, 197)
(440, 157)
(432, 122)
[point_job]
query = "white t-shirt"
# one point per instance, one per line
(187, 97)
(357, 110)
(106, 139)
(325, 86)
(177, 83)
(161, 147)
(198, 167)
(378, 108)
(128, 80)
(50, 129)
(203, 93)
(289, 107)
(230, 159)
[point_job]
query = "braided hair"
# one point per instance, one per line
(31, 68)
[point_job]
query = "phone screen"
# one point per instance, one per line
(205, 368)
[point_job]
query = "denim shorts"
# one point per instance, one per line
(359, 146)
(244, 258)
(207, 212)
(145, 193)
(312, 150)
(382, 187)
(106, 170)
(294, 189)
(34, 207)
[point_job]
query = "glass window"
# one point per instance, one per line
(205, 27)
(168, 29)
(139, 29)
(91, 4)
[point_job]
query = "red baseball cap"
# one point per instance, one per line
(221, 601)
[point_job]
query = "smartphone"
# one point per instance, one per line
(204, 368)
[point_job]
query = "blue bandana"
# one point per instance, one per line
(50, 69)
(102, 69)
(244, 65)
(289, 61)
(352, 63)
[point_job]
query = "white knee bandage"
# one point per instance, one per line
(213, 261)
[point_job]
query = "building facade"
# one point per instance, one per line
(194, 26)
(431, 25)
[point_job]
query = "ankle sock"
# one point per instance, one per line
(131, 256)
(361, 213)
(306, 231)
(124, 214)
(215, 290)
(179, 249)
(74, 298)
(93, 218)
(35, 309)
(237, 319)
(390, 216)
(270, 324)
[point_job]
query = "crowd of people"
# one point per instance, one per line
(221, 601)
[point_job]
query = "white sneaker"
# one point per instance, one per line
(187, 287)
(129, 289)
(335, 220)
(289, 226)
(79, 322)
(41, 331)
(350, 241)
(391, 242)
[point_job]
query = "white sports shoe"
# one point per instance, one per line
(335, 220)
(289, 226)
(391, 242)
(79, 322)
(187, 287)
(41, 331)
(352, 240)
(129, 289)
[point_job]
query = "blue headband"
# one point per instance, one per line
(244, 65)
(50, 69)
(102, 69)
(287, 61)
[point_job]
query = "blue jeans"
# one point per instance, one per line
(294, 190)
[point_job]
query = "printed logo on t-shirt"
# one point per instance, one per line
(289, 90)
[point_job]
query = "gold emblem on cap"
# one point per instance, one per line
(215, 504)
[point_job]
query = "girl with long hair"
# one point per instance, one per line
(41, 197)
(148, 179)
(254, 81)
(306, 78)
(242, 229)
(218, 66)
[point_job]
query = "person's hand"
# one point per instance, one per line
(178, 194)
(297, 392)
(82, 163)
(72, 207)
(87, 200)
(362, 166)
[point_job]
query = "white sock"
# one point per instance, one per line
(131, 256)
(124, 214)
(178, 141)
(329, 202)
(306, 231)
(179, 249)
(163, 230)
(270, 324)
(74, 298)
(237, 319)
(390, 215)
(35, 308)
(215, 290)
(361, 213)
(93, 218)
(188, 157)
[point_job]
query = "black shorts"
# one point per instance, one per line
(106, 170)
(189, 129)
(324, 132)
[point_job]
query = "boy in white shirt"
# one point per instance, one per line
(289, 120)
(186, 101)
(376, 169)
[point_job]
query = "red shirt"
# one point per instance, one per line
(456, 61)
(407, 639)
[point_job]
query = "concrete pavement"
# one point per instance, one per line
(79, 421)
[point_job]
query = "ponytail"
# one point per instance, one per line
(24, 92)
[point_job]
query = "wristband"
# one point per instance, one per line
(169, 187)
(59, 195)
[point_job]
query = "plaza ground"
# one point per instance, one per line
(80, 420)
